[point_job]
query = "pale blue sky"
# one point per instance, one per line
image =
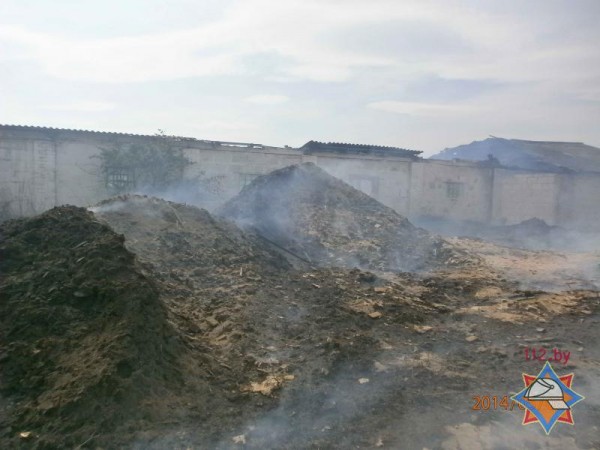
(418, 74)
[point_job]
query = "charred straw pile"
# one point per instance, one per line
(174, 237)
(326, 221)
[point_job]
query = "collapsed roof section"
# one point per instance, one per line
(543, 156)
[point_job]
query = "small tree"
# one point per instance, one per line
(156, 165)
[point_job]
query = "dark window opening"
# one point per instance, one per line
(120, 179)
(454, 190)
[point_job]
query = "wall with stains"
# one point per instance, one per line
(27, 176)
(451, 190)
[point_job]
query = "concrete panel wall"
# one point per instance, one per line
(444, 189)
(27, 176)
(236, 167)
(579, 202)
(522, 195)
(385, 180)
(78, 176)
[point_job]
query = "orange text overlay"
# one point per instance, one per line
(487, 402)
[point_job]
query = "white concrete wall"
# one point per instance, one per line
(523, 195)
(236, 167)
(79, 180)
(449, 190)
(387, 180)
(27, 176)
(579, 202)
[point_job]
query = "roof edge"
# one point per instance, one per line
(119, 134)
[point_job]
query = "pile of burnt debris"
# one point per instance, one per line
(149, 324)
(80, 331)
(324, 221)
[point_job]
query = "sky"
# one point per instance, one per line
(420, 74)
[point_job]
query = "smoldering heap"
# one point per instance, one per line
(249, 317)
(98, 344)
(151, 324)
(173, 236)
(326, 221)
(205, 267)
(79, 330)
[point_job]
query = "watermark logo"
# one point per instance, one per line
(548, 398)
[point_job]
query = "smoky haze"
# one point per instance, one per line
(192, 291)
(321, 218)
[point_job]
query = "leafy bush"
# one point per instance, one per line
(156, 164)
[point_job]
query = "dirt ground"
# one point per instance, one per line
(542, 269)
(149, 324)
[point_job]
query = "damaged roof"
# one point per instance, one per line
(55, 132)
(309, 147)
(10, 127)
(546, 156)
(338, 147)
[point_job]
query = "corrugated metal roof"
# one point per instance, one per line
(133, 135)
(340, 147)
(71, 130)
